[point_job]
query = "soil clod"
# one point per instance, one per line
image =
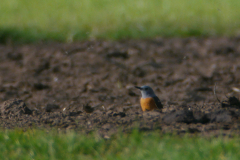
(51, 107)
(14, 108)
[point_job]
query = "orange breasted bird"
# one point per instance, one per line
(149, 101)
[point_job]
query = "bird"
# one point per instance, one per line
(149, 101)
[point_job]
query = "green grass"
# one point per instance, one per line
(27, 21)
(40, 145)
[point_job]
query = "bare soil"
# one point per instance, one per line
(89, 86)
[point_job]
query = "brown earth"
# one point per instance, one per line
(89, 85)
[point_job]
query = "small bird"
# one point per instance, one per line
(149, 101)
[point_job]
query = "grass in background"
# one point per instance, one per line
(71, 20)
(38, 144)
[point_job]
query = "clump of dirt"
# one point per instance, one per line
(14, 108)
(231, 102)
(51, 107)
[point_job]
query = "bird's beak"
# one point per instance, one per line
(138, 87)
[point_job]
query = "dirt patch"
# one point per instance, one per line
(89, 85)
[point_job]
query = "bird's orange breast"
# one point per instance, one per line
(148, 104)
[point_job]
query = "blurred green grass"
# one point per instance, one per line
(41, 145)
(67, 21)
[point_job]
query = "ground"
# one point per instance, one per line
(89, 85)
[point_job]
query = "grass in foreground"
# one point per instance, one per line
(28, 21)
(38, 144)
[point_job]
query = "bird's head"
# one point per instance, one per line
(146, 91)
